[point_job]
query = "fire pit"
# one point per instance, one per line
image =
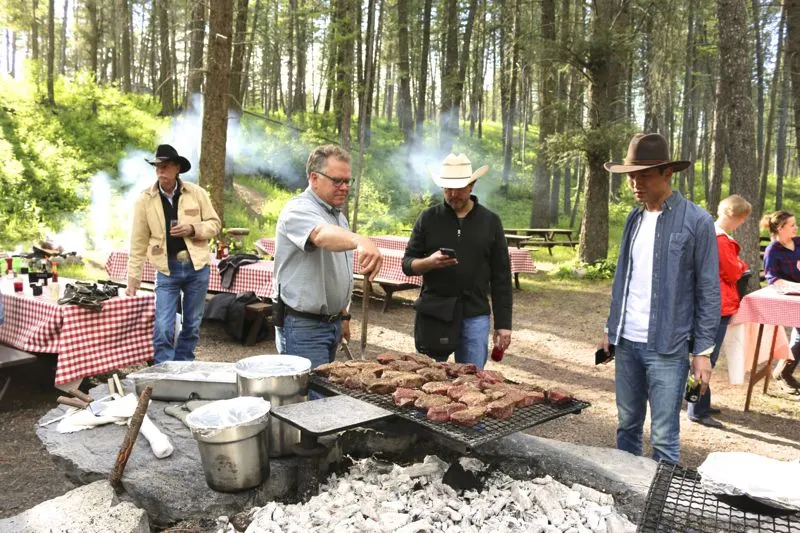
(677, 502)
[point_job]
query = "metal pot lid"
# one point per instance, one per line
(269, 366)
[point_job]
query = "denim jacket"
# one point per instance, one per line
(685, 298)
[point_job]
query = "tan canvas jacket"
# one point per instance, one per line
(149, 233)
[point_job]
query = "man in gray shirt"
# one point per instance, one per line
(314, 260)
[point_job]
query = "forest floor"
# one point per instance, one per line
(556, 327)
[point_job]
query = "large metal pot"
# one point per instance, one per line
(281, 380)
(233, 443)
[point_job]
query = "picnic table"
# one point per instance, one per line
(546, 237)
(256, 277)
(87, 342)
(392, 271)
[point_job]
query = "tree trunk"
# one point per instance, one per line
(299, 95)
(606, 49)
(715, 191)
(215, 106)
(540, 201)
(62, 54)
(688, 122)
(166, 78)
(51, 51)
(125, 39)
(34, 31)
(760, 79)
(94, 37)
(198, 35)
(735, 105)
(237, 60)
(345, 35)
(448, 115)
(403, 71)
(773, 93)
(422, 86)
(509, 54)
(781, 141)
(248, 55)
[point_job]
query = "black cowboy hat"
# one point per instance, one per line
(646, 150)
(166, 152)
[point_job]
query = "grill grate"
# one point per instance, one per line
(487, 430)
(677, 502)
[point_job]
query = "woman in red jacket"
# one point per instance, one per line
(732, 212)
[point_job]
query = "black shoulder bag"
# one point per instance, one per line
(437, 326)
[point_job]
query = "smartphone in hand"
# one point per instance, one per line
(449, 252)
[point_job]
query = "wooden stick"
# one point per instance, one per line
(119, 385)
(111, 387)
(115, 478)
(365, 312)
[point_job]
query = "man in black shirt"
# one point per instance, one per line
(460, 250)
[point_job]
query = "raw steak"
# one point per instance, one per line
(467, 378)
(558, 398)
(382, 386)
(419, 358)
(437, 387)
(386, 358)
(474, 399)
(403, 397)
(500, 409)
(426, 401)
(468, 417)
(491, 376)
(442, 413)
(458, 391)
(458, 369)
(406, 366)
(433, 374)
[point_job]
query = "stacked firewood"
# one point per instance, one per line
(446, 392)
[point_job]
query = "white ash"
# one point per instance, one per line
(376, 497)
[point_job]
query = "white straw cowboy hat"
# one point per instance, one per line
(456, 172)
(646, 150)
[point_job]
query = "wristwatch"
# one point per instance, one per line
(347, 317)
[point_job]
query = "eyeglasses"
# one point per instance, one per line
(337, 182)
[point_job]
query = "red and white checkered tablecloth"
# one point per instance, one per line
(256, 277)
(87, 342)
(520, 260)
(767, 306)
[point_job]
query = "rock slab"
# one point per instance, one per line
(92, 508)
(170, 489)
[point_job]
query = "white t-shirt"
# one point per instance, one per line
(637, 306)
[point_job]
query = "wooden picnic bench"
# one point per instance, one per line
(544, 237)
(389, 287)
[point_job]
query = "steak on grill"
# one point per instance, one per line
(419, 358)
(403, 396)
(458, 391)
(326, 368)
(491, 376)
(474, 399)
(409, 380)
(386, 358)
(558, 398)
(433, 374)
(500, 409)
(437, 387)
(406, 366)
(459, 369)
(443, 412)
(426, 401)
(468, 417)
(467, 378)
(382, 386)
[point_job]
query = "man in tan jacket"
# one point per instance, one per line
(172, 223)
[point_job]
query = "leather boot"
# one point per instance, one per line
(786, 374)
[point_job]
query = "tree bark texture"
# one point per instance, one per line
(736, 106)
(215, 109)
(198, 35)
(540, 201)
(237, 61)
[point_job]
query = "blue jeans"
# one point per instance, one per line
(313, 339)
(700, 408)
(643, 375)
(194, 285)
(473, 346)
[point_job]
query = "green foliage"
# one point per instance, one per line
(50, 154)
(599, 270)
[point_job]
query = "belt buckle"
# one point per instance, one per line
(183, 256)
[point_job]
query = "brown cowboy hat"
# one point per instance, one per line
(646, 150)
(166, 152)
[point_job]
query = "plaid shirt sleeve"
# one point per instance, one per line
(782, 263)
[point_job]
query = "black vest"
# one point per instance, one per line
(174, 244)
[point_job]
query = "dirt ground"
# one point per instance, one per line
(556, 327)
